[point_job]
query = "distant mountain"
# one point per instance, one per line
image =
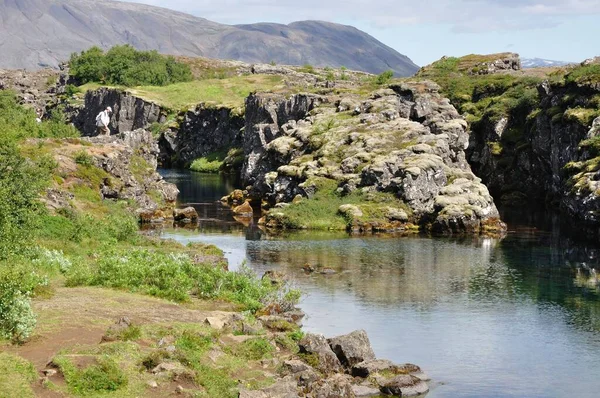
(38, 33)
(539, 63)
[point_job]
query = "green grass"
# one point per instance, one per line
(16, 376)
(321, 211)
(105, 376)
(253, 349)
(211, 163)
(230, 92)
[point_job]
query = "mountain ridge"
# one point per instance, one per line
(61, 27)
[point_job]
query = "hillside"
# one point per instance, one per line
(38, 33)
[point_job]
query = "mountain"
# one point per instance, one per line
(38, 33)
(539, 63)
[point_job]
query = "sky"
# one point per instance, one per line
(563, 30)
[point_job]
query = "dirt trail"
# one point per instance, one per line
(75, 316)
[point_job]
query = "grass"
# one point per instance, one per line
(321, 212)
(16, 376)
(230, 92)
(211, 163)
(104, 376)
(253, 349)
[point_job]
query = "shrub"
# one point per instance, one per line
(21, 181)
(124, 65)
(17, 283)
(83, 158)
(384, 77)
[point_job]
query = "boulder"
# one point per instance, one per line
(316, 345)
(243, 210)
(363, 391)
(404, 386)
(275, 277)
(336, 386)
(366, 368)
(351, 211)
(188, 214)
(352, 348)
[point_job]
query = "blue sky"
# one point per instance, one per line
(567, 30)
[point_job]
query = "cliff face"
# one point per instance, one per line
(200, 131)
(405, 141)
(129, 112)
(533, 135)
(553, 156)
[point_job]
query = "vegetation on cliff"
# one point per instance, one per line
(124, 65)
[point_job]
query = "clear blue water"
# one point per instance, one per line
(517, 317)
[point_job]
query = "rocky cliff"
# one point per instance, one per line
(396, 155)
(199, 132)
(119, 167)
(129, 112)
(546, 151)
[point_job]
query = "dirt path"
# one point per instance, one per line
(75, 316)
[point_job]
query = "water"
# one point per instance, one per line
(518, 317)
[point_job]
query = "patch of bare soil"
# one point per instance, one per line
(80, 316)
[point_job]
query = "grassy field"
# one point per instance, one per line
(229, 92)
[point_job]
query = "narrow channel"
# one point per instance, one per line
(517, 317)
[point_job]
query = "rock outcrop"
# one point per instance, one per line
(125, 170)
(200, 131)
(406, 140)
(129, 112)
(555, 158)
(37, 90)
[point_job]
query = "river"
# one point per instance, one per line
(517, 317)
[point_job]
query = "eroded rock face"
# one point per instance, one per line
(129, 112)
(201, 131)
(406, 140)
(129, 163)
(550, 164)
(130, 159)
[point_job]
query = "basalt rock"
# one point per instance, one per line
(129, 112)
(551, 163)
(201, 131)
(406, 140)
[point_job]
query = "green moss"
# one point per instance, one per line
(311, 359)
(583, 116)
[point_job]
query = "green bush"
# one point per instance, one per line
(384, 77)
(17, 283)
(18, 123)
(21, 182)
(124, 65)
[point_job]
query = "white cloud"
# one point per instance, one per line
(461, 15)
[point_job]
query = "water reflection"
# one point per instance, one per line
(517, 317)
